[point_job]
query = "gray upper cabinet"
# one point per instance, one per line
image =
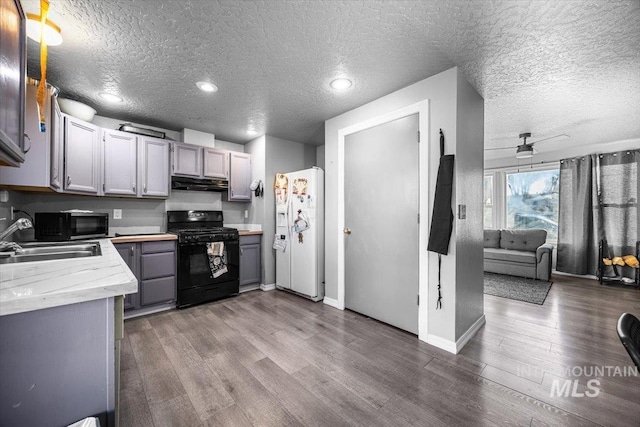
(57, 146)
(215, 163)
(34, 172)
(82, 156)
(154, 167)
(13, 72)
(120, 163)
(187, 160)
(239, 176)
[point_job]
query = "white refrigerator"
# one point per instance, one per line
(299, 238)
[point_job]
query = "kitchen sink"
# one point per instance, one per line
(52, 251)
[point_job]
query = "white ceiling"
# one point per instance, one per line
(547, 67)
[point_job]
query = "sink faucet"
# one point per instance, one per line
(20, 224)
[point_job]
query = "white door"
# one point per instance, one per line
(381, 215)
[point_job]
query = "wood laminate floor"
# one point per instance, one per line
(271, 358)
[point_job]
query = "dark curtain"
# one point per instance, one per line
(598, 200)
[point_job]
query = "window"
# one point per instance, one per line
(532, 201)
(488, 201)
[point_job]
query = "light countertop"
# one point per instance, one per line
(143, 238)
(249, 233)
(36, 285)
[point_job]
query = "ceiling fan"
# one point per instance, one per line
(525, 150)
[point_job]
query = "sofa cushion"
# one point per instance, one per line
(491, 238)
(522, 240)
(510, 255)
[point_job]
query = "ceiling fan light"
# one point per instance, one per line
(52, 36)
(524, 152)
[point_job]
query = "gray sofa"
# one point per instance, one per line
(518, 253)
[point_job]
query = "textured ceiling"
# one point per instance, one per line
(547, 67)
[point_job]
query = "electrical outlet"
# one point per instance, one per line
(246, 213)
(117, 214)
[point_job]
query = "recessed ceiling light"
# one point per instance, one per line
(207, 87)
(252, 132)
(341, 84)
(110, 97)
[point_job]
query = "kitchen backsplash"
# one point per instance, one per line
(138, 215)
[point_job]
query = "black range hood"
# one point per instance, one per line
(198, 184)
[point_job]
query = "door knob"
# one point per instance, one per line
(347, 231)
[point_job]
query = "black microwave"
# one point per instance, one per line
(59, 226)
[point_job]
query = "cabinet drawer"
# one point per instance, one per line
(157, 265)
(158, 290)
(250, 240)
(159, 246)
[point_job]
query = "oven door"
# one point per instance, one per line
(194, 270)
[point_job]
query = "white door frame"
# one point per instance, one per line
(422, 109)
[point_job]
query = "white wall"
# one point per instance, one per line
(441, 92)
(549, 154)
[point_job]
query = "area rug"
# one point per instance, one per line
(518, 288)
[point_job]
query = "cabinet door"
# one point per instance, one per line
(160, 290)
(239, 176)
(129, 253)
(187, 160)
(57, 146)
(249, 264)
(82, 156)
(34, 172)
(13, 54)
(120, 159)
(154, 167)
(215, 163)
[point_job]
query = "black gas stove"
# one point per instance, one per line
(213, 234)
(208, 256)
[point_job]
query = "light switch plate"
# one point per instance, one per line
(462, 211)
(117, 214)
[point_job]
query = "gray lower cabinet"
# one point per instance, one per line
(154, 265)
(250, 260)
(57, 365)
(130, 253)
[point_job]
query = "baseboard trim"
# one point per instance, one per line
(442, 343)
(266, 288)
(455, 347)
(332, 303)
(249, 288)
(470, 333)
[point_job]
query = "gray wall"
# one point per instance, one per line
(469, 152)
(138, 215)
(258, 159)
(441, 93)
(281, 156)
(320, 156)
